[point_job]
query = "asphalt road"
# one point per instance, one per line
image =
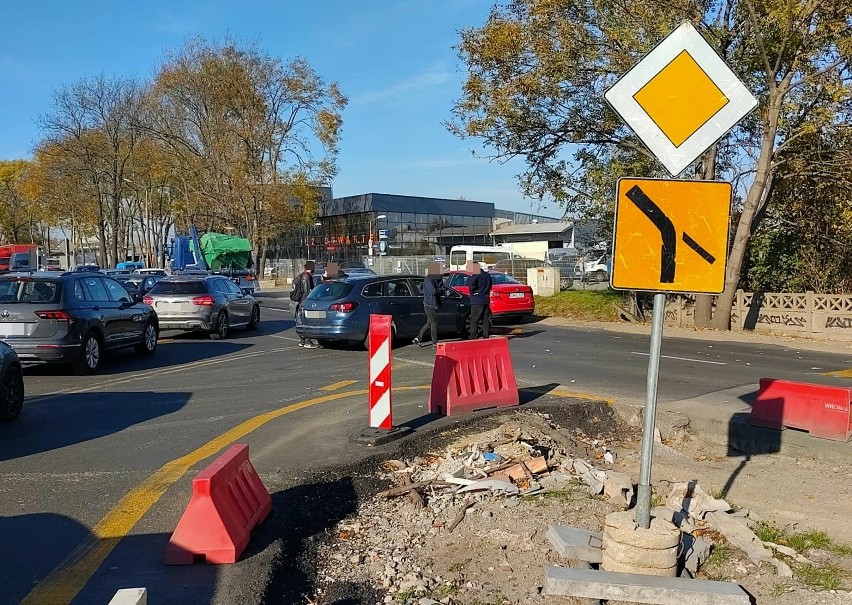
(97, 471)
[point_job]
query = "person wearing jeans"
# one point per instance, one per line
(433, 292)
(479, 284)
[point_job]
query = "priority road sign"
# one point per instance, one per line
(671, 235)
(680, 98)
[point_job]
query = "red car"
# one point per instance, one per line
(509, 297)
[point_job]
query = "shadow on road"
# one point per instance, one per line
(300, 515)
(30, 547)
(745, 440)
(63, 420)
(126, 360)
(530, 394)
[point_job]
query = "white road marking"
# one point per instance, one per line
(277, 309)
(716, 363)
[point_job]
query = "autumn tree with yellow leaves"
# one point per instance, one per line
(538, 69)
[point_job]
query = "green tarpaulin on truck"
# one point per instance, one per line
(225, 251)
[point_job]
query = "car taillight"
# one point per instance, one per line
(57, 315)
(148, 300)
(344, 307)
(250, 277)
(203, 301)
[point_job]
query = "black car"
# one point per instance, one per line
(11, 384)
(73, 318)
(137, 284)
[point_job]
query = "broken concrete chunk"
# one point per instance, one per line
(576, 544)
(694, 500)
(591, 477)
(693, 552)
(494, 485)
(618, 487)
(740, 536)
(677, 517)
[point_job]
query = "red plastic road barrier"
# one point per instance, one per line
(380, 372)
(228, 501)
(823, 411)
(472, 375)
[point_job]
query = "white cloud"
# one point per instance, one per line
(430, 78)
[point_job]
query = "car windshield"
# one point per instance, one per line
(330, 291)
(502, 278)
(27, 290)
(178, 287)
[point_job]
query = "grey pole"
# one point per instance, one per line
(643, 495)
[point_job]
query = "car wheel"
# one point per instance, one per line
(565, 283)
(366, 341)
(600, 275)
(463, 327)
(149, 340)
(90, 355)
(11, 394)
(220, 330)
(254, 322)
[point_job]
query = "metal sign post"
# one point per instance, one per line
(643, 494)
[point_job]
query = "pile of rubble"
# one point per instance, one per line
(471, 522)
(477, 477)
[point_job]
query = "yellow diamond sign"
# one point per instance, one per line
(680, 98)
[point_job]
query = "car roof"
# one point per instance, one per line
(190, 277)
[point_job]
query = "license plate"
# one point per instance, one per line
(516, 295)
(13, 329)
(315, 314)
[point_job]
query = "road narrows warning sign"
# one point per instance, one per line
(671, 235)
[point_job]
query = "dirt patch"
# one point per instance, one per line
(346, 544)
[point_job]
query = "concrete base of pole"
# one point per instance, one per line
(628, 548)
(372, 436)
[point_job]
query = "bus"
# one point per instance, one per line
(486, 256)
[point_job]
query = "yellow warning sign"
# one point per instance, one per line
(671, 235)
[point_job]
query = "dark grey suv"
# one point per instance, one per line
(73, 318)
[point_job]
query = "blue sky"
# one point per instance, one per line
(394, 59)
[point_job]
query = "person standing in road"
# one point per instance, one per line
(433, 292)
(303, 286)
(479, 285)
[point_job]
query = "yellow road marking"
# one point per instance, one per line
(338, 385)
(69, 577)
(840, 373)
(579, 395)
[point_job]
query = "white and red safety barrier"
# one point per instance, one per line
(381, 335)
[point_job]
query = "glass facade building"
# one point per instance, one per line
(410, 226)
(407, 226)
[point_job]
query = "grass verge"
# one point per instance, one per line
(588, 305)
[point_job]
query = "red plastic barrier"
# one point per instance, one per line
(228, 501)
(823, 411)
(472, 375)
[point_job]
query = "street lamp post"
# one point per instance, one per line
(370, 226)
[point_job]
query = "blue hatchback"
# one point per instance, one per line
(340, 309)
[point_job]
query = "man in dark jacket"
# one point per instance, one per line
(303, 286)
(479, 285)
(433, 292)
